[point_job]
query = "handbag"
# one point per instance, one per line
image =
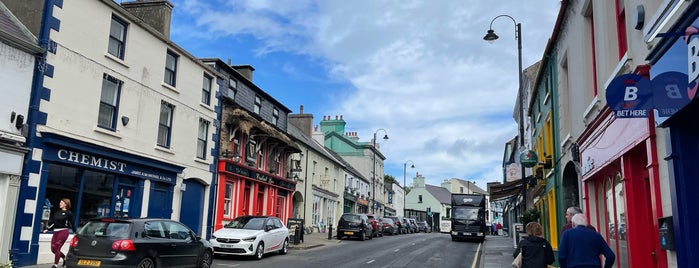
(517, 263)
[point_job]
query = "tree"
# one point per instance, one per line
(529, 216)
(388, 179)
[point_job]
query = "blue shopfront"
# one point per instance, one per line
(99, 181)
(678, 52)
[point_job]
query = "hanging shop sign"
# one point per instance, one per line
(528, 158)
(629, 96)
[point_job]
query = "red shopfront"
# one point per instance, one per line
(245, 191)
(621, 191)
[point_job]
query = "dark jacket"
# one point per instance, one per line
(62, 219)
(536, 252)
(581, 247)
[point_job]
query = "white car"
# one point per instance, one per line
(251, 236)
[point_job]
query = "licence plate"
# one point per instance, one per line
(226, 246)
(89, 262)
(349, 233)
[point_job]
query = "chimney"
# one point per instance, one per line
(302, 121)
(156, 13)
(246, 70)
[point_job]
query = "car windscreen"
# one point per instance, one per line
(351, 218)
(105, 229)
(246, 223)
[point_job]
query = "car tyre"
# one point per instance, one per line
(146, 263)
(362, 236)
(285, 247)
(260, 251)
(206, 259)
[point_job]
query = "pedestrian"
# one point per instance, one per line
(581, 246)
(499, 227)
(60, 224)
(570, 212)
(495, 228)
(536, 251)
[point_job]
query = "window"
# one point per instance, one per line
(206, 90)
(117, 38)
(227, 200)
(109, 102)
(275, 116)
(165, 124)
(171, 68)
(201, 139)
(258, 104)
(177, 231)
(232, 87)
(419, 198)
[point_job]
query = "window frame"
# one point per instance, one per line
(207, 84)
(171, 70)
(258, 104)
(168, 126)
(202, 139)
(115, 106)
(275, 116)
(121, 40)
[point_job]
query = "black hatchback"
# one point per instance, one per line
(142, 243)
(357, 225)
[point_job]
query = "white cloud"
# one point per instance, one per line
(418, 69)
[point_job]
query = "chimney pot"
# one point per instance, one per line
(301, 109)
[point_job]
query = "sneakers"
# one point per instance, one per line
(54, 266)
(63, 263)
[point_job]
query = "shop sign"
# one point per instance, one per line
(528, 158)
(235, 169)
(629, 96)
(106, 164)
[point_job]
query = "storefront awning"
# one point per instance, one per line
(505, 190)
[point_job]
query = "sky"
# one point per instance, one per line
(417, 71)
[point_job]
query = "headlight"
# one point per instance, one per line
(250, 239)
(213, 237)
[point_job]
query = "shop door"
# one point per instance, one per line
(192, 205)
(159, 203)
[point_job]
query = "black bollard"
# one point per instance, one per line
(297, 235)
(330, 231)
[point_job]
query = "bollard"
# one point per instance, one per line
(297, 235)
(330, 231)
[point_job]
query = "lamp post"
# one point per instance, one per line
(491, 37)
(373, 173)
(405, 185)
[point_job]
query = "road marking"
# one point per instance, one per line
(370, 261)
(396, 250)
(229, 265)
(475, 260)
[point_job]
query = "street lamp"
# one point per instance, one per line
(491, 37)
(373, 173)
(405, 165)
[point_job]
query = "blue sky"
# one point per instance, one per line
(418, 69)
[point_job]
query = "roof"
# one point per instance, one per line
(298, 135)
(440, 193)
(15, 34)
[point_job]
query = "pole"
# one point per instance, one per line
(518, 27)
(373, 177)
(404, 187)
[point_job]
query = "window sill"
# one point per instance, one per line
(163, 149)
(171, 88)
(107, 132)
(115, 59)
(208, 107)
(201, 161)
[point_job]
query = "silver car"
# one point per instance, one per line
(251, 236)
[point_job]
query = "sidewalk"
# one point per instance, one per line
(497, 252)
(314, 240)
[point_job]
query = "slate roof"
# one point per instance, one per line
(15, 34)
(440, 193)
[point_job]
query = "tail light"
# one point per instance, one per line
(74, 241)
(123, 245)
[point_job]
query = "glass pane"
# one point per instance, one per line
(117, 30)
(169, 77)
(165, 113)
(114, 47)
(109, 92)
(620, 231)
(162, 135)
(201, 149)
(170, 62)
(97, 195)
(203, 129)
(106, 116)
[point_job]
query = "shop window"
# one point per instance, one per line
(613, 218)
(227, 200)
(316, 210)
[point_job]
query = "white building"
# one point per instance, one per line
(125, 123)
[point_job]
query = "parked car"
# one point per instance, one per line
(399, 223)
(251, 236)
(352, 224)
(376, 226)
(389, 226)
(142, 243)
(413, 224)
(423, 226)
(408, 226)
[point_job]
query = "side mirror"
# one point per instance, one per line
(268, 228)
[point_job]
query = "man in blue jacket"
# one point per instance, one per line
(580, 246)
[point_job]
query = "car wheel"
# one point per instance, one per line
(260, 251)
(146, 263)
(206, 259)
(285, 247)
(362, 236)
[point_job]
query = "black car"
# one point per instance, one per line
(142, 243)
(356, 225)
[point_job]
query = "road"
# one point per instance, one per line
(411, 250)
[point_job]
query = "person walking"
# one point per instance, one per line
(570, 212)
(536, 250)
(60, 223)
(581, 246)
